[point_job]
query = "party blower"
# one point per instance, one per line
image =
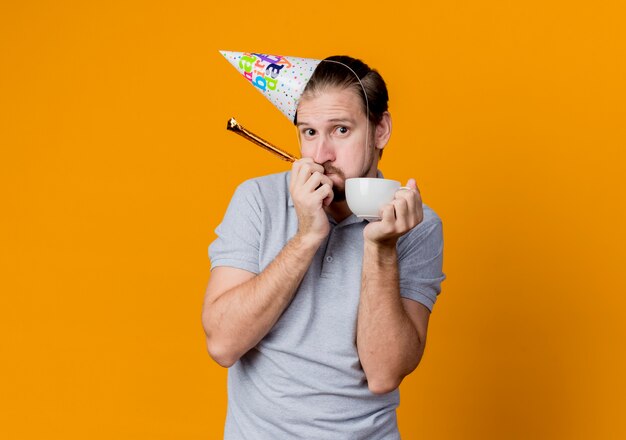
(281, 79)
(235, 127)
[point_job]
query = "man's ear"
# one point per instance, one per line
(383, 131)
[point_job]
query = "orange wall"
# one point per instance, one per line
(115, 168)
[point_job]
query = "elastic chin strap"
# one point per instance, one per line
(367, 106)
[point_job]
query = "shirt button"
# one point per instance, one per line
(329, 259)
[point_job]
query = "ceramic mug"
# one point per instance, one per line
(367, 195)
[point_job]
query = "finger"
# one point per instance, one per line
(413, 209)
(404, 193)
(307, 168)
(302, 171)
(413, 185)
(295, 169)
(322, 193)
(325, 179)
(402, 213)
(314, 181)
(411, 197)
(325, 193)
(387, 215)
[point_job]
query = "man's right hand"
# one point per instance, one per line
(311, 190)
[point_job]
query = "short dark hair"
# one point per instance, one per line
(332, 72)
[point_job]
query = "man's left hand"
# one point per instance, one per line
(397, 218)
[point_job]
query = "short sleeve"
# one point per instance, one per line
(420, 261)
(239, 233)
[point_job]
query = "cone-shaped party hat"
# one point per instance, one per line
(281, 79)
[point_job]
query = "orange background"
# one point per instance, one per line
(116, 167)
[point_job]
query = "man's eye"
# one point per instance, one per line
(309, 132)
(342, 130)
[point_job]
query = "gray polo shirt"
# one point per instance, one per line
(304, 379)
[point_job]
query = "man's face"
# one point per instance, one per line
(333, 129)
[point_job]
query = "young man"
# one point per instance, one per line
(319, 315)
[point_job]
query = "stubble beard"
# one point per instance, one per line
(339, 194)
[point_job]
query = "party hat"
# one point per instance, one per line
(281, 79)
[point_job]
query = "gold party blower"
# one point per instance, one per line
(235, 127)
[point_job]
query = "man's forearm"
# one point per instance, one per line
(388, 343)
(240, 317)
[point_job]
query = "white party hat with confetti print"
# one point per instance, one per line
(281, 79)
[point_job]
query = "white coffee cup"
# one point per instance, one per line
(367, 195)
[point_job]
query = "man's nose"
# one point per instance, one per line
(324, 151)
